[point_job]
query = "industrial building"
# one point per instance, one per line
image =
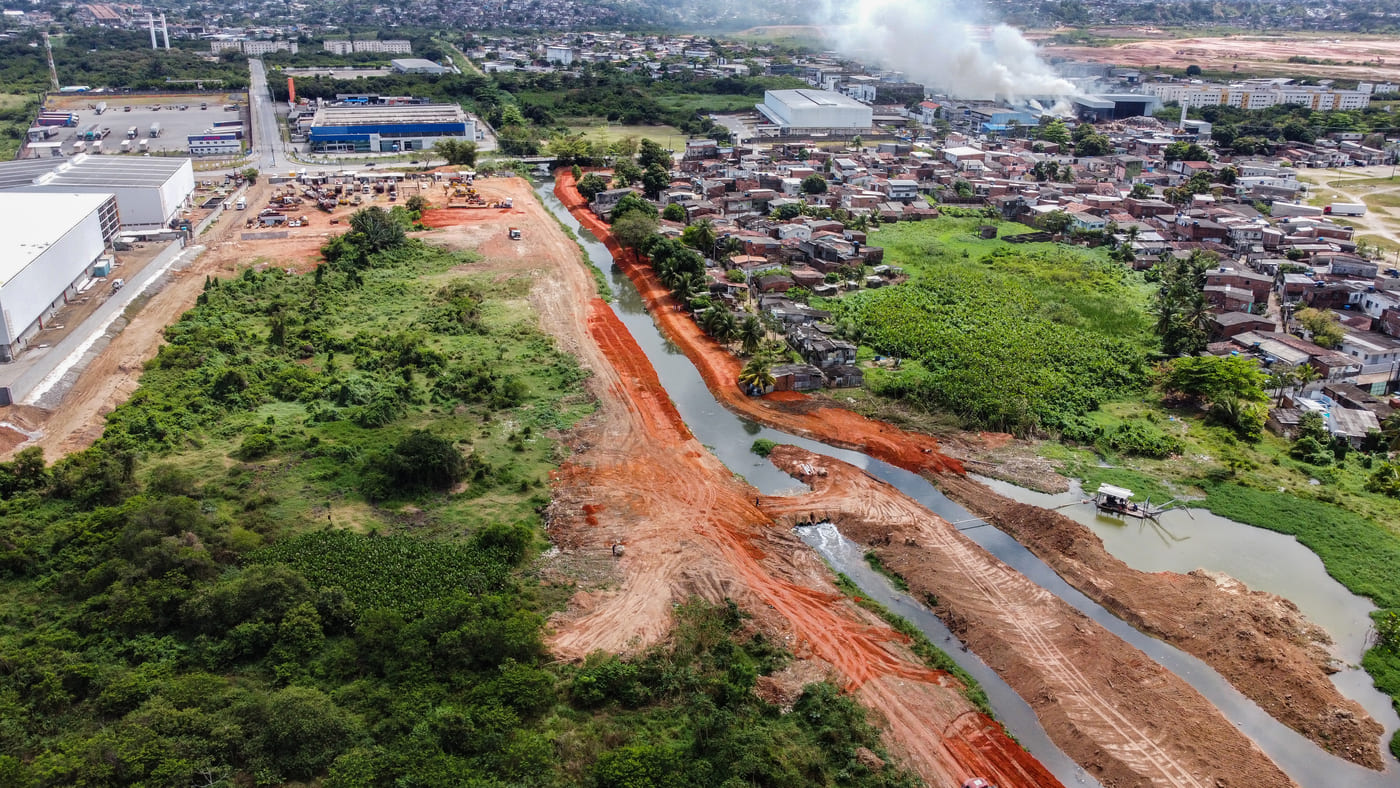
(216, 142)
(416, 65)
(388, 128)
(1114, 106)
(49, 246)
(806, 111)
(151, 191)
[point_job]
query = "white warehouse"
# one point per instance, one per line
(48, 245)
(802, 111)
(151, 191)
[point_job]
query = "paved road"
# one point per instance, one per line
(30, 374)
(267, 139)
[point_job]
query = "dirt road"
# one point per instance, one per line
(1126, 719)
(1258, 641)
(688, 527)
(1373, 187)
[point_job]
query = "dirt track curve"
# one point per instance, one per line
(1126, 719)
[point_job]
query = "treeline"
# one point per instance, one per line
(1247, 131)
(211, 596)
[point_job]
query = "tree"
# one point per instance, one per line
(751, 334)
(460, 153)
(375, 230)
(1224, 135)
(1055, 131)
(1094, 145)
(1390, 431)
(652, 153)
(1193, 70)
(1324, 327)
(1296, 130)
(673, 213)
(1141, 191)
(417, 204)
(1183, 315)
(814, 184)
(631, 202)
(591, 185)
(634, 230)
(1056, 221)
(1213, 378)
(756, 377)
(700, 237)
(1185, 151)
(655, 180)
(626, 173)
(250, 174)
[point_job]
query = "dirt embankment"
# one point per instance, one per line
(1258, 641)
(687, 527)
(1122, 716)
(788, 410)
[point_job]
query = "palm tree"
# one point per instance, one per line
(727, 326)
(686, 288)
(1283, 377)
(756, 377)
(1305, 374)
(751, 333)
(1390, 431)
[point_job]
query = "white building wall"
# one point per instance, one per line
(40, 286)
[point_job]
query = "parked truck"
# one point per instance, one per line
(155, 129)
(100, 108)
(144, 145)
(126, 146)
(131, 133)
(242, 204)
(1345, 209)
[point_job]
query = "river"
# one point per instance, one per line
(729, 437)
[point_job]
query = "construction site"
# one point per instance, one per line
(644, 515)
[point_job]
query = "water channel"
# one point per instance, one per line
(730, 436)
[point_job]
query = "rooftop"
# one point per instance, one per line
(390, 114)
(818, 98)
(116, 172)
(34, 222)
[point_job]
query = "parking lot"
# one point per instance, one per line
(175, 123)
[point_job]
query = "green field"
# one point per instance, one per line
(1009, 337)
(17, 112)
(707, 102)
(599, 129)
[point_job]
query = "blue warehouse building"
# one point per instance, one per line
(388, 128)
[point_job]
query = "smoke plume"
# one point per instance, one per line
(936, 43)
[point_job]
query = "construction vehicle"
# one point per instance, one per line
(515, 233)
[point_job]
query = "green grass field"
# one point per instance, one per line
(597, 128)
(707, 102)
(16, 113)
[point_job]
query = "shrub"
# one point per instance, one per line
(762, 447)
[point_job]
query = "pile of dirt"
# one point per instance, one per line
(1120, 715)
(1259, 642)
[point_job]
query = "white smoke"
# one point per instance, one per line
(937, 44)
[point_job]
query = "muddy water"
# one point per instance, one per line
(730, 437)
(1187, 539)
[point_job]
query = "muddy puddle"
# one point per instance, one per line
(730, 438)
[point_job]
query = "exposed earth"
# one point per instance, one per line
(1366, 59)
(686, 526)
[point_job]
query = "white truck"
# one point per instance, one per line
(155, 129)
(1345, 209)
(144, 145)
(131, 132)
(242, 204)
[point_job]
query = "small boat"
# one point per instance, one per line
(1119, 501)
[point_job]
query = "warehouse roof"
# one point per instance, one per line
(31, 223)
(802, 97)
(388, 115)
(416, 63)
(115, 172)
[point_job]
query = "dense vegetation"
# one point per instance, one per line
(1010, 338)
(102, 57)
(299, 553)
